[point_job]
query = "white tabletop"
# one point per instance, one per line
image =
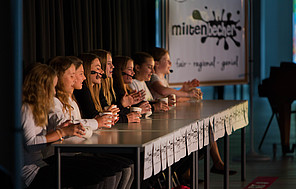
(156, 126)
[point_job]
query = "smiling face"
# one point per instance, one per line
(109, 66)
(129, 69)
(144, 72)
(163, 66)
(68, 79)
(96, 66)
(79, 74)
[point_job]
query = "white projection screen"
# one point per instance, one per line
(207, 40)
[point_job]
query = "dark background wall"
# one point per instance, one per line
(6, 134)
(69, 27)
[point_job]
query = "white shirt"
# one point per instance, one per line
(139, 85)
(57, 116)
(34, 142)
(153, 79)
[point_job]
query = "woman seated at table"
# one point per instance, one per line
(71, 76)
(38, 93)
(65, 106)
(160, 87)
(107, 93)
(158, 84)
(122, 76)
(88, 96)
(143, 68)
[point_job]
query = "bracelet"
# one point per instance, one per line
(59, 132)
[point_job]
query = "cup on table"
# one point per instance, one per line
(164, 99)
(112, 107)
(173, 96)
(107, 113)
(136, 109)
(147, 114)
(88, 132)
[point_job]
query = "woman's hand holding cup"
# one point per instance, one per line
(172, 100)
(72, 130)
(133, 117)
(146, 107)
(104, 119)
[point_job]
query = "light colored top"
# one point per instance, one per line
(34, 142)
(153, 79)
(139, 85)
(57, 116)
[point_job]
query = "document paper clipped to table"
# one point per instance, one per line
(170, 148)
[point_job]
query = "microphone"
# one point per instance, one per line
(171, 71)
(104, 76)
(94, 72)
(123, 73)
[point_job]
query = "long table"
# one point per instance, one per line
(140, 139)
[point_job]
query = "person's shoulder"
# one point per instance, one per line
(134, 83)
(55, 99)
(154, 77)
(27, 113)
(57, 102)
(26, 108)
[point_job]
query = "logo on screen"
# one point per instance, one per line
(220, 28)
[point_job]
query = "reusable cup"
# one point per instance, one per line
(174, 98)
(113, 106)
(88, 132)
(107, 113)
(147, 114)
(136, 109)
(164, 99)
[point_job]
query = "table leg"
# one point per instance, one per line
(138, 168)
(58, 167)
(226, 161)
(194, 170)
(207, 167)
(169, 177)
(243, 154)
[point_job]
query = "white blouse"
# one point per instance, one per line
(153, 79)
(34, 142)
(57, 116)
(139, 85)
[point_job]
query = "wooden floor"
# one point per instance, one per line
(277, 166)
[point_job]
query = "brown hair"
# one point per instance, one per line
(120, 63)
(157, 53)
(87, 59)
(38, 91)
(60, 64)
(141, 57)
(107, 83)
(76, 61)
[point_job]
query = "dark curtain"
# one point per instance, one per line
(70, 27)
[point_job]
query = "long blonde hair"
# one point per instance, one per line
(107, 83)
(60, 64)
(38, 91)
(87, 59)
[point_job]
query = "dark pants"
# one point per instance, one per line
(76, 171)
